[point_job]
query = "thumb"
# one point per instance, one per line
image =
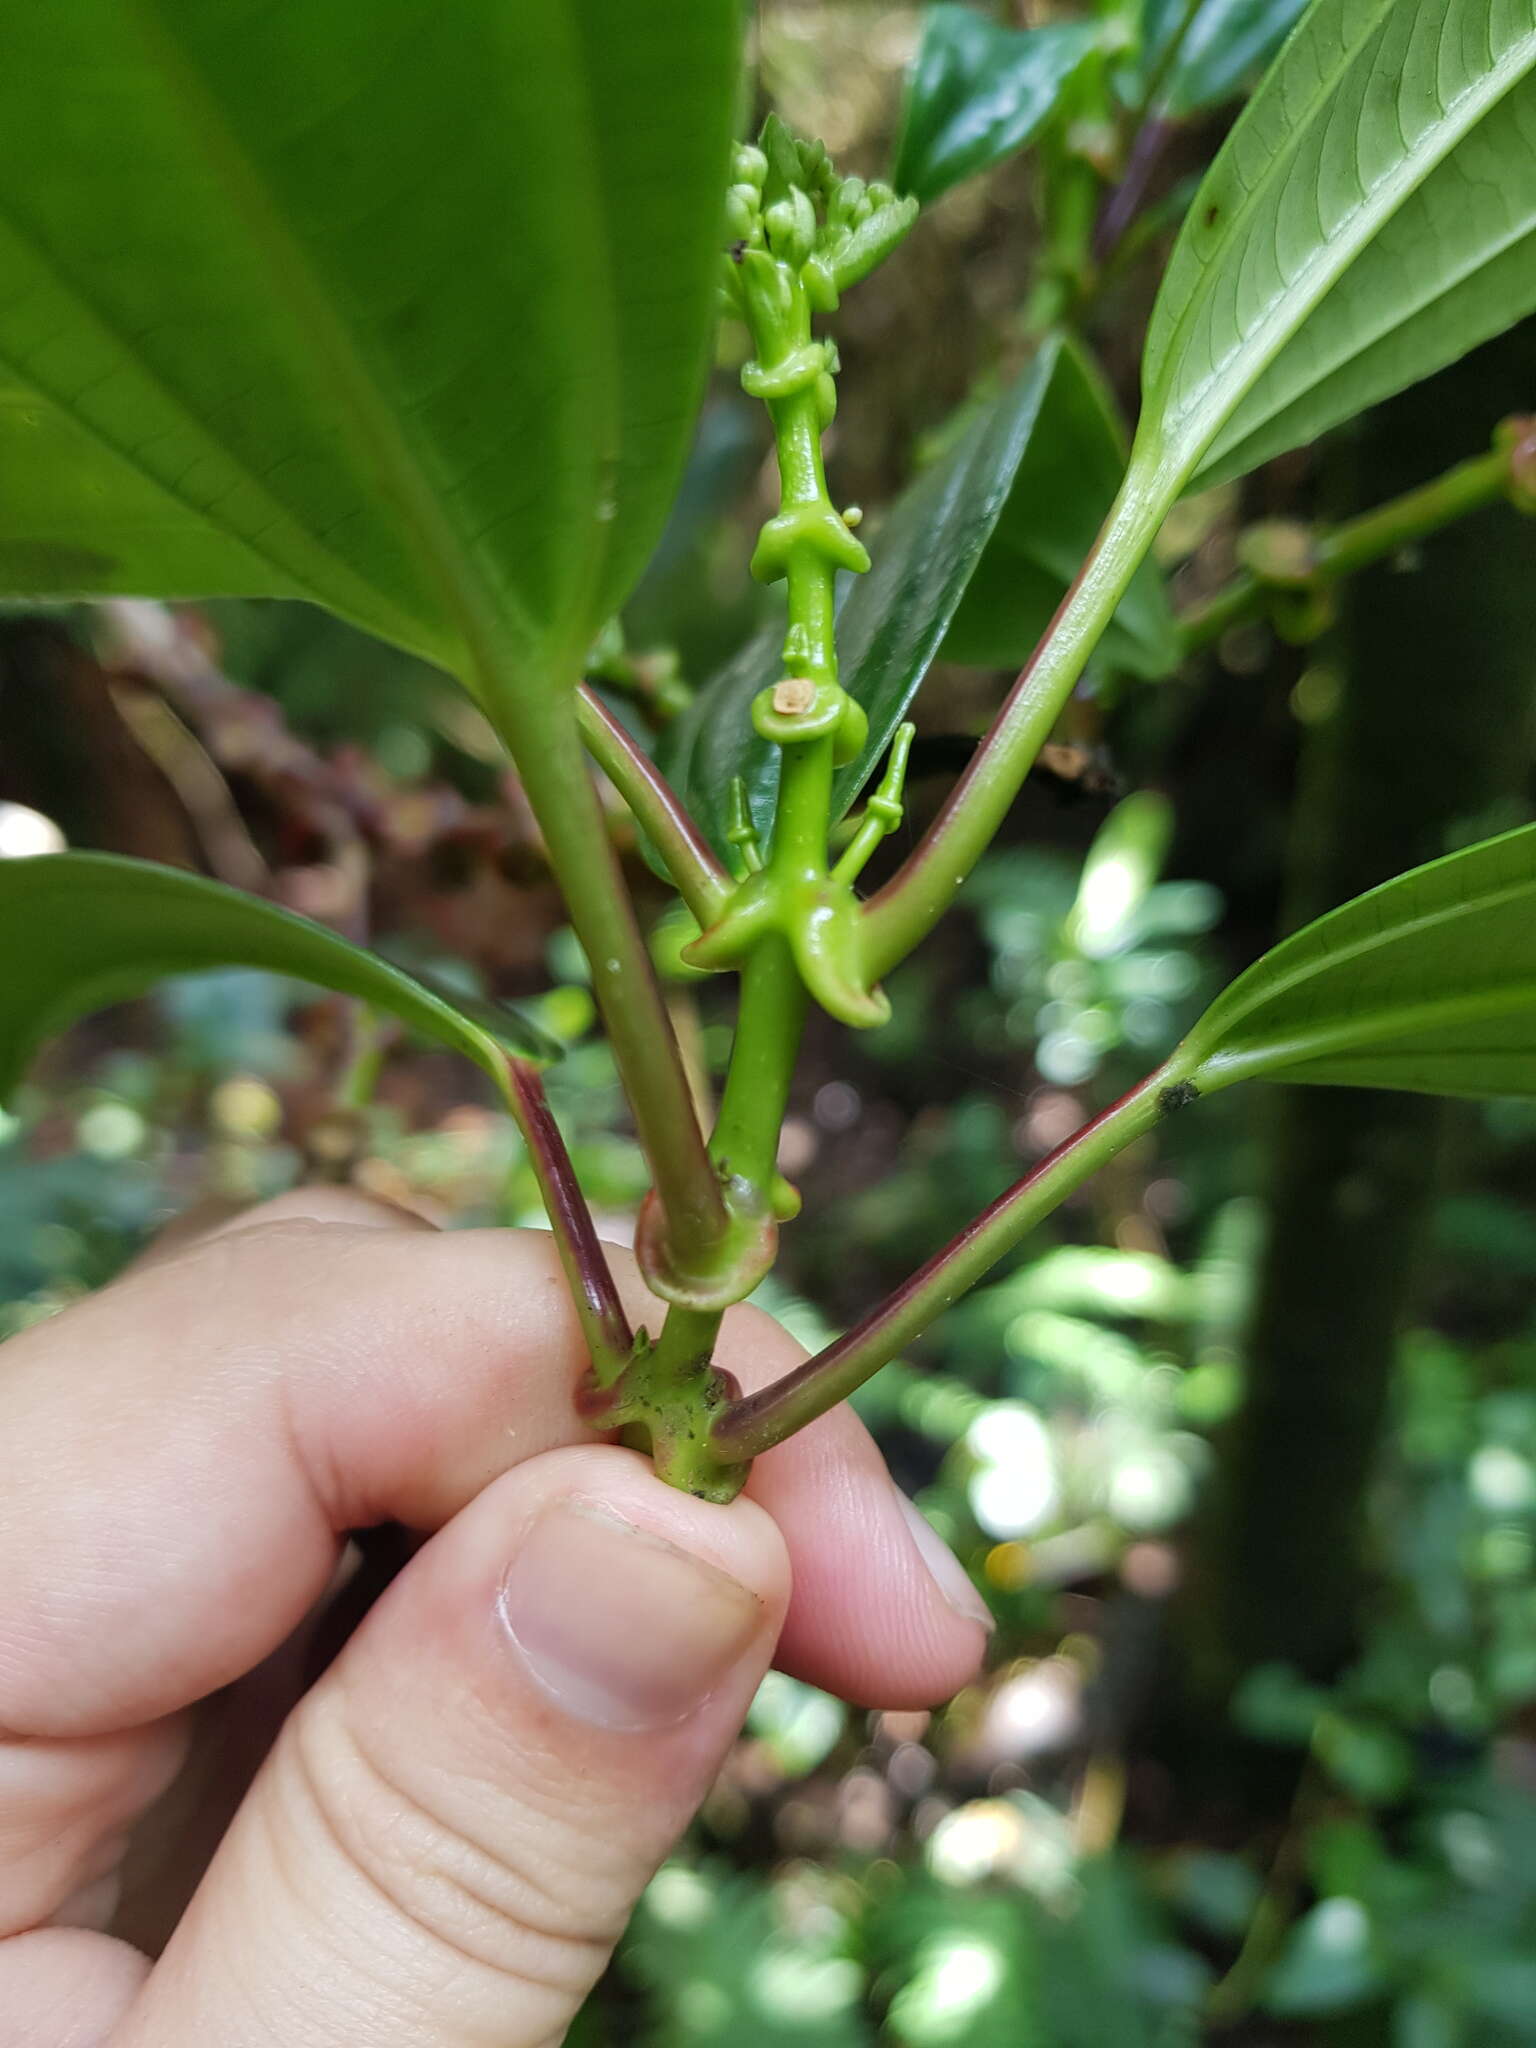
(450, 1832)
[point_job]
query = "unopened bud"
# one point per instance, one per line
(749, 166)
(791, 226)
(741, 213)
(847, 200)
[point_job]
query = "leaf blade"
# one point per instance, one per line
(1294, 294)
(364, 296)
(1062, 489)
(1427, 983)
(977, 92)
(1225, 43)
(78, 930)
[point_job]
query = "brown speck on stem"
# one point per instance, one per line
(793, 695)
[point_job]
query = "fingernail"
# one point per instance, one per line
(946, 1570)
(621, 1627)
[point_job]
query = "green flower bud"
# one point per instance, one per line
(816, 170)
(749, 166)
(791, 227)
(846, 201)
(741, 213)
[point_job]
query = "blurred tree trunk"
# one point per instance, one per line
(1418, 738)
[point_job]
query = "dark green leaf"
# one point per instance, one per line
(399, 312)
(1062, 489)
(890, 624)
(1427, 983)
(1225, 44)
(1371, 217)
(977, 92)
(78, 930)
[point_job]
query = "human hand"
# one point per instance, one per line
(447, 1834)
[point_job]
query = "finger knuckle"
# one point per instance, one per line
(477, 1877)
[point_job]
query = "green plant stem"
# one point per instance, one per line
(771, 1015)
(666, 1407)
(912, 902)
(759, 1421)
(768, 1027)
(700, 880)
(1373, 537)
(543, 738)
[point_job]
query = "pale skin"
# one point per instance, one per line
(439, 1841)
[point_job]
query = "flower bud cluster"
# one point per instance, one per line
(787, 203)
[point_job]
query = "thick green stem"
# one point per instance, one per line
(665, 1402)
(544, 742)
(769, 1023)
(1374, 537)
(911, 904)
(755, 1424)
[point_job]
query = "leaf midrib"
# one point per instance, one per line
(1291, 308)
(289, 269)
(1366, 1030)
(1523, 231)
(1223, 1022)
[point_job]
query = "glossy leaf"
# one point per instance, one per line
(1427, 983)
(977, 92)
(1226, 43)
(401, 312)
(890, 622)
(1062, 489)
(1371, 217)
(79, 930)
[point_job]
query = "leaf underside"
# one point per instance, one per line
(400, 314)
(1371, 217)
(80, 930)
(1427, 983)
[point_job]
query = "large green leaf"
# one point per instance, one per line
(1427, 983)
(978, 91)
(78, 930)
(890, 623)
(397, 308)
(1224, 44)
(1062, 488)
(1371, 217)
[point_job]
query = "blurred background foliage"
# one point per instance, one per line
(1241, 1448)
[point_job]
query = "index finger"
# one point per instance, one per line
(187, 1447)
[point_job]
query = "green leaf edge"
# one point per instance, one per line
(325, 959)
(1207, 1067)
